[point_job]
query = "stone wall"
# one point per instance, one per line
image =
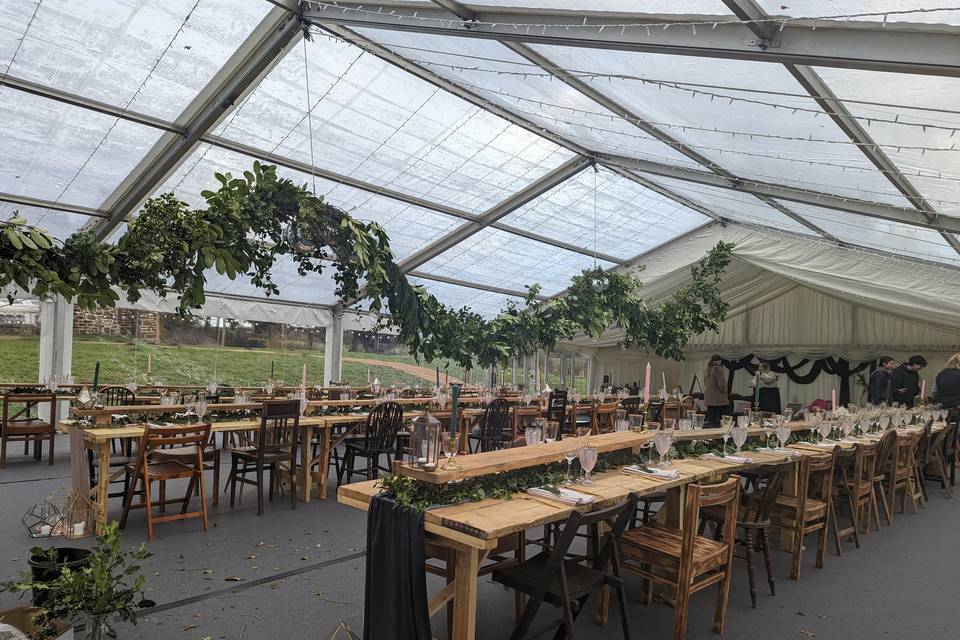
(117, 322)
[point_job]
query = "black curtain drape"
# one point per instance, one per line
(395, 599)
(829, 365)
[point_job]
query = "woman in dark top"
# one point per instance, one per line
(948, 384)
(880, 390)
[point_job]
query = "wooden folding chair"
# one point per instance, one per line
(147, 470)
(21, 423)
(550, 577)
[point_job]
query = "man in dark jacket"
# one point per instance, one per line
(906, 380)
(880, 389)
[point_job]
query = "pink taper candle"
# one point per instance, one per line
(646, 384)
(923, 389)
(303, 378)
(833, 399)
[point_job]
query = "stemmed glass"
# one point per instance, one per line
(200, 408)
(663, 440)
(740, 435)
(726, 429)
(824, 428)
(588, 460)
(450, 442)
(570, 455)
(783, 432)
(766, 423)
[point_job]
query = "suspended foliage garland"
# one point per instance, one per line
(251, 221)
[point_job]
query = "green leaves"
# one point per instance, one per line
(250, 221)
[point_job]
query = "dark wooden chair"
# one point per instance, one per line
(951, 444)
(934, 467)
(147, 470)
(22, 423)
(494, 427)
(117, 396)
(557, 412)
(632, 405)
(810, 510)
(384, 422)
(682, 558)
(550, 577)
(274, 449)
(753, 519)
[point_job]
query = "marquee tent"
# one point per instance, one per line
(503, 143)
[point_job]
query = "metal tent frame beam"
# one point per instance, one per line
(532, 191)
(792, 194)
(278, 31)
(916, 49)
(470, 285)
(643, 124)
(810, 80)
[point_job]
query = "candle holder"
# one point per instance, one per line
(425, 441)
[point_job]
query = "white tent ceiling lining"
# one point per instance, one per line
(769, 265)
(423, 147)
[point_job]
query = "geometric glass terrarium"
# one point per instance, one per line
(79, 517)
(43, 520)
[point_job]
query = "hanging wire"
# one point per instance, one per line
(306, 80)
(595, 219)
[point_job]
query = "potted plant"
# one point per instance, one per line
(108, 589)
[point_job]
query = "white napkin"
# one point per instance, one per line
(651, 471)
(786, 452)
(117, 416)
(568, 496)
(728, 458)
(829, 444)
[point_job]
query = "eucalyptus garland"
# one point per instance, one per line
(408, 492)
(252, 220)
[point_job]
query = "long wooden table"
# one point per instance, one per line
(470, 531)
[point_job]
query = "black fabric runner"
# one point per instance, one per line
(831, 366)
(395, 599)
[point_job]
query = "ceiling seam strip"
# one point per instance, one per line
(927, 50)
(470, 285)
(823, 95)
(275, 34)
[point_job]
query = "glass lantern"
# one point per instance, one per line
(425, 442)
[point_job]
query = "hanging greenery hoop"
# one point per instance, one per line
(251, 221)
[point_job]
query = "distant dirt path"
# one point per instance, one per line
(430, 375)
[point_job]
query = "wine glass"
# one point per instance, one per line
(200, 408)
(532, 434)
(740, 436)
(783, 432)
(814, 419)
(697, 421)
(570, 455)
(663, 440)
(636, 422)
(824, 427)
(550, 429)
(588, 460)
(743, 420)
(766, 424)
(726, 429)
(450, 443)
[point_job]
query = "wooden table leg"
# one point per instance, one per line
(102, 453)
(326, 435)
(467, 562)
(306, 462)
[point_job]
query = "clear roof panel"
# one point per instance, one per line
(916, 124)
(59, 224)
(817, 8)
(630, 218)
(734, 205)
(693, 100)
(497, 258)
(375, 122)
(156, 56)
(410, 228)
(485, 303)
(57, 152)
(690, 7)
(503, 77)
(313, 288)
(885, 235)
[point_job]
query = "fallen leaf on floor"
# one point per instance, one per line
(189, 626)
(207, 572)
(252, 556)
(808, 634)
(233, 579)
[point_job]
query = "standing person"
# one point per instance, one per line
(905, 380)
(715, 391)
(769, 396)
(948, 384)
(880, 389)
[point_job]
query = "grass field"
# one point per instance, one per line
(121, 361)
